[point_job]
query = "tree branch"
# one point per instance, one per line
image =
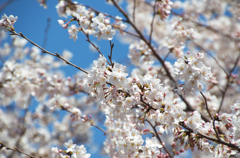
(159, 139)
(45, 51)
(227, 85)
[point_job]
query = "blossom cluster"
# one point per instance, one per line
(99, 26)
(73, 151)
(170, 103)
(7, 22)
(192, 70)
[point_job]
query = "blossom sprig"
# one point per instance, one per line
(192, 70)
(14, 149)
(164, 8)
(99, 26)
(73, 151)
(6, 23)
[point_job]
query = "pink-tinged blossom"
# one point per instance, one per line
(61, 8)
(7, 22)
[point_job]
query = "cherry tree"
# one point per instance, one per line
(183, 94)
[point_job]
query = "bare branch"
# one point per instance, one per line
(45, 51)
(15, 149)
(88, 40)
(121, 30)
(46, 32)
(227, 84)
(213, 119)
(4, 5)
(154, 14)
(134, 8)
(110, 56)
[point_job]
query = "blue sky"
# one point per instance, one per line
(32, 22)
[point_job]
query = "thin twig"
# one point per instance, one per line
(91, 123)
(227, 85)
(16, 149)
(210, 56)
(159, 139)
(154, 14)
(206, 26)
(130, 33)
(134, 9)
(210, 138)
(213, 119)
(88, 40)
(4, 5)
(110, 56)
(206, 105)
(99, 128)
(45, 51)
(46, 32)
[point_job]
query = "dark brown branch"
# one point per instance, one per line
(189, 107)
(110, 56)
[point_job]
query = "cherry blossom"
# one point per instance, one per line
(182, 96)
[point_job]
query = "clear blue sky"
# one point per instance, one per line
(32, 22)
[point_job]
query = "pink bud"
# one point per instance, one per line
(145, 131)
(65, 25)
